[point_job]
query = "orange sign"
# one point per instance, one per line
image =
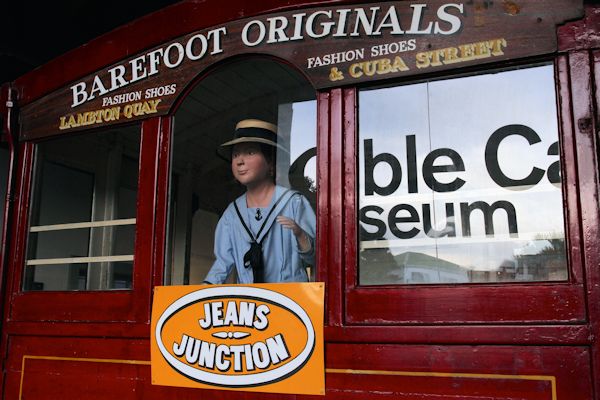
(260, 338)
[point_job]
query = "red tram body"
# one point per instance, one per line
(77, 324)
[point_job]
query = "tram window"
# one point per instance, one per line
(83, 209)
(459, 181)
(202, 184)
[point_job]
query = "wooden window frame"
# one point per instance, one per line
(443, 304)
(90, 306)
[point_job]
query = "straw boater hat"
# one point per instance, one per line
(254, 131)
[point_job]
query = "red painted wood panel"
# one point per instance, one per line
(107, 306)
(77, 329)
(460, 334)
(334, 245)
(585, 138)
(80, 368)
(13, 231)
(324, 274)
(162, 199)
(466, 304)
(582, 86)
(383, 334)
(477, 303)
(569, 366)
(145, 225)
(8, 126)
(583, 33)
(50, 368)
(349, 232)
(569, 169)
(74, 306)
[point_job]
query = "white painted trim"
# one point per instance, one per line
(78, 260)
(79, 225)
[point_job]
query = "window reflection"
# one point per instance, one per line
(459, 181)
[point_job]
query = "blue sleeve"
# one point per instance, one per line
(225, 261)
(306, 219)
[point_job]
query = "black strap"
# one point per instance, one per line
(255, 239)
(243, 223)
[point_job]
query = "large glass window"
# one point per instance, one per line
(459, 181)
(83, 210)
(202, 183)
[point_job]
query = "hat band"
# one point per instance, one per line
(255, 133)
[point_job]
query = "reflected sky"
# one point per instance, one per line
(304, 133)
(462, 114)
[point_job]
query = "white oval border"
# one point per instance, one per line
(261, 378)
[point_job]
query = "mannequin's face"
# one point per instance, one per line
(249, 165)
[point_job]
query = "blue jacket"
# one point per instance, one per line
(283, 260)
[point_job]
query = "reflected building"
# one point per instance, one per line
(409, 268)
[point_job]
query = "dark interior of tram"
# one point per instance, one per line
(202, 184)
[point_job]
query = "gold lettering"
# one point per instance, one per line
(108, 114)
(466, 51)
(145, 108)
(451, 55)
(90, 117)
(497, 45)
(482, 50)
(380, 66)
(94, 117)
(97, 117)
(355, 70)
(136, 108)
(128, 111)
(435, 57)
(335, 75)
(399, 64)
(461, 53)
(62, 124)
(369, 68)
(384, 66)
(154, 105)
(422, 60)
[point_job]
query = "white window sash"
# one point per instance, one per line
(81, 225)
(79, 260)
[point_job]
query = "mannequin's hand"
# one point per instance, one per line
(290, 224)
(301, 236)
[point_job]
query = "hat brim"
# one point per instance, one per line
(248, 139)
(222, 150)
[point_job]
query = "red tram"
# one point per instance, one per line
(449, 150)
